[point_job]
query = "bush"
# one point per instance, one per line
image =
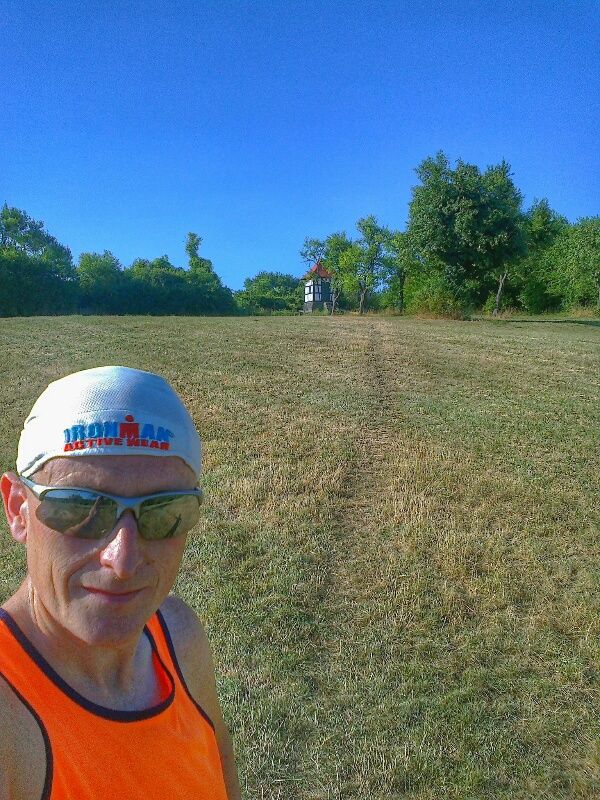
(30, 286)
(270, 292)
(434, 296)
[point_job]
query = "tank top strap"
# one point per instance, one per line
(161, 640)
(161, 635)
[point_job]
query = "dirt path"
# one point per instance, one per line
(356, 753)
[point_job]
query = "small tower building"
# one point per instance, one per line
(317, 288)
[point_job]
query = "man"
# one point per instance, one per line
(107, 685)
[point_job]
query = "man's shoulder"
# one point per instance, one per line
(181, 619)
(193, 652)
(22, 747)
(11, 709)
(15, 716)
(187, 633)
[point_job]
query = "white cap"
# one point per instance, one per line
(108, 411)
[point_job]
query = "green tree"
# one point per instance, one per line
(270, 291)
(542, 226)
(503, 238)
(573, 263)
(399, 266)
(207, 293)
(328, 251)
(364, 264)
(313, 250)
(468, 223)
(21, 233)
(156, 287)
(100, 283)
(29, 287)
(335, 245)
(36, 271)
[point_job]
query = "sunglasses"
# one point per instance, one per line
(86, 514)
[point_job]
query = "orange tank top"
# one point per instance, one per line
(92, 753)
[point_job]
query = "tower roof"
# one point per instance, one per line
(318, 271)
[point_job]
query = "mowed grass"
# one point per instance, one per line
(398, 560)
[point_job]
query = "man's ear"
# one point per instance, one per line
(16, 509)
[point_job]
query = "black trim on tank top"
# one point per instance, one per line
(171, 648)
(47, 746)
(112, 714)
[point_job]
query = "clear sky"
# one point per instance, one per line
(124, 125)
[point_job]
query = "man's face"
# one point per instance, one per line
(104, 591)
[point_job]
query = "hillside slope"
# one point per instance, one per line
(398, 559)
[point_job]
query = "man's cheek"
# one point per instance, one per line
(49, 565)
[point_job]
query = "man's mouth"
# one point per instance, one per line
(113, 595)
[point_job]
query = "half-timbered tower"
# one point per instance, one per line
(317, 288)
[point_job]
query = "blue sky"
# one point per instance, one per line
(124, 125)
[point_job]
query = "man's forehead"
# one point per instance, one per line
(118, 474)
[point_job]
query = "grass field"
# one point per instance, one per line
(398, 563)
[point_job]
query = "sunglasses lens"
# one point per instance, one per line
(77, 513)
(165, 517)
(87, 515)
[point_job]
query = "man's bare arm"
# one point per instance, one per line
(22, 749)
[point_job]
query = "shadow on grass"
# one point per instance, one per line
(594, 323)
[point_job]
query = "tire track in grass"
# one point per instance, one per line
(345, 615)
(386, 645)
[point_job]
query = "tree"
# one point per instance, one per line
(21, 233)
(270, 291)
(36, 271)
(467, 222)
(207, 293)
(542, 226)
(335, 245)
(328, 252)
(313, 250)
(192, 247)
(502, 225)
(100, 283)
(364, 264)
(573, 263)
(29, 287)
(156, 287)
(400, 264)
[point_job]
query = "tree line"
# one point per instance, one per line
(468, 245)
(38, 276)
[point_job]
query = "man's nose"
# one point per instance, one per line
(123, 552)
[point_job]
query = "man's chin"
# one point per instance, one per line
(111, 626)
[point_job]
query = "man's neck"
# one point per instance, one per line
(120, 676)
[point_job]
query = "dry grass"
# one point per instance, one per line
(398, 563)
